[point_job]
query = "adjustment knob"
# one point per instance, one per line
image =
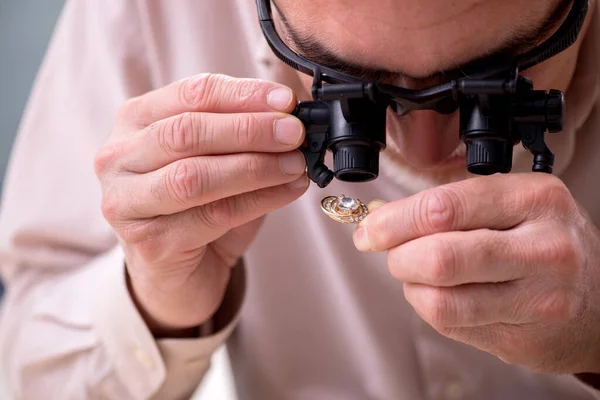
(555, 111)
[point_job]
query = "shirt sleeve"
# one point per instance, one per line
(68, 325)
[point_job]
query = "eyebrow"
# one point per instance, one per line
(521, 41)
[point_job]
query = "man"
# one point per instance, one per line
(130, 235)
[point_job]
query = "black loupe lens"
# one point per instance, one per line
(355, 162)
(486, 130)
(487, 156)
(356, 139)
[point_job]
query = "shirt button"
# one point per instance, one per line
(454, 391)
(144, 359)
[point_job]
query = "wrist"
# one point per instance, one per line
(168, 321)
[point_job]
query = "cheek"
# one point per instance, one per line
(306, 84)
(555, 73)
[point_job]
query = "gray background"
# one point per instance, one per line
(25, 28)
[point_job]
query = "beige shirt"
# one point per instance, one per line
(319, 319)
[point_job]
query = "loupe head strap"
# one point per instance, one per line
(408, 99)
(291, 58)
(561, 40)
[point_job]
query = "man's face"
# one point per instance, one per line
(420, 43)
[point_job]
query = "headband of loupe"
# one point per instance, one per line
(498, 109)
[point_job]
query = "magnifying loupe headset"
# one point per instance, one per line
(498, 109)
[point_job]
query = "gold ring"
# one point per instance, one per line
(344, 209)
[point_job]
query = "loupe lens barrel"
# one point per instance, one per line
(356, 144)
(487, 136)
(357, 162)
(488, 156)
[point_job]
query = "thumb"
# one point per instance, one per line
(372, 206)
(375, 204)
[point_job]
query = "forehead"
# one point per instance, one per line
(417, 37)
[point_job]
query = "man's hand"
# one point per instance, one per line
(187, 174)
(506, 263)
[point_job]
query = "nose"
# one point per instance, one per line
(424, 138)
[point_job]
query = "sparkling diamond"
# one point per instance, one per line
(348, 204)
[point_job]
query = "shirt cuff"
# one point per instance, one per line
(143, 363)
(590, 382)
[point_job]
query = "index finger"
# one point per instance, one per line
(496, 202)
(211, 93)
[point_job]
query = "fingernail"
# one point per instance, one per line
(372, 206)
(299, 183)
(375, 204)
(279, 99)
(288, 131)
(292, 163)
(361, 239)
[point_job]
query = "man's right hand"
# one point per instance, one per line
(186, 176)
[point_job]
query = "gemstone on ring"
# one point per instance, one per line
(348, 204)
(344, 209)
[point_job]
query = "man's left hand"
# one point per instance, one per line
(507, 263)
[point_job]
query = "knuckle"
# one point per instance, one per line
(252, 164)
(129, 110)
(110, 207)
(145, 236)
(436, 211)
(246, 91)
(440, 263)
(557, 305)
(560, 196)
(245, 126)
(185, 181)
(561, 249)
(106, 158)
(438, 308)
(249, 201)
(178, 134)
(217, 215)
(550, 193)
(196, 92)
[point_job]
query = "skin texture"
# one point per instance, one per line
(507, 263)
(187, 175)
(513, 272)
